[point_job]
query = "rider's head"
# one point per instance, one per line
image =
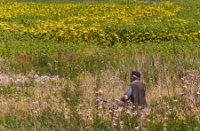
(135, 75)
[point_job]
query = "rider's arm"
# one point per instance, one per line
(127, 94)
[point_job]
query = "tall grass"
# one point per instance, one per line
(86, 69)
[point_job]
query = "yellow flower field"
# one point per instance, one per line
(94, 22)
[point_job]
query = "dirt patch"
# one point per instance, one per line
(19, 79)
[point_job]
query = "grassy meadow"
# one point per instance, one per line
(65, 65)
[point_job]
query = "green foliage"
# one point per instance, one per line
(175, 124)
(187, 124)
(72, 97)
(48, 120)
(100, 125)
(155, 126)
(70, 60)
(13, 121)
(53, 120)
(130, 122)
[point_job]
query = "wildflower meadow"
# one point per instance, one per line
(65, 64)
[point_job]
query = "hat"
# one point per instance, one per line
(135, 73)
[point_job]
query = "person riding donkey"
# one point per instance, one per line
(136, 91)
